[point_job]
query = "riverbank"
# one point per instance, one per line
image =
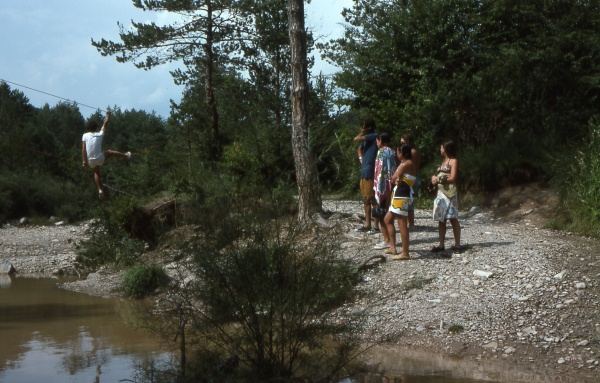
(519, 295)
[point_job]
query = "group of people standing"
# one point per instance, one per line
(390, 180)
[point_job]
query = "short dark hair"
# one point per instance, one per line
(91, 126)
(368, 125)
(406, 151)
(385, 138)
(449, 148)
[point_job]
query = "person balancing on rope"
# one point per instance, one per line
(91, 150)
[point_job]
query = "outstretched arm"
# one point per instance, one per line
(106, 120)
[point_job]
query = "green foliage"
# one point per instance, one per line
(474, 71)
(142, 280)
(221, 21)
(501, 163)
(456, 328)
(268, 291)
(15, 111)
(108, 241)
(579, 184)
(39, 194)
(51, 180)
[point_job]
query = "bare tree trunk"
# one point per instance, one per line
(309, 197)
(208, 82)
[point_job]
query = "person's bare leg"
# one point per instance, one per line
(404, 235)
(384, 231)
(98, 181)
(442, 233)
(368, 215)
(456, 230)
(114, 153)
(388, 220)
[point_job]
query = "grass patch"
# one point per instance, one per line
(456, 328)
(141, 280)
(417, 283)
(579, 184)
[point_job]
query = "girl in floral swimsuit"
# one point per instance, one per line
(446, 203)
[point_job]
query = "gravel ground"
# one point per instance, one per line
(518, 293)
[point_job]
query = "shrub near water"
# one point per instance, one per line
(262, 305)
(579, 186)
(140, 281)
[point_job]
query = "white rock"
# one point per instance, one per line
(560, 275)
(6, 268)
(583, 343)
(509, 350)
(483, 273)
(561, 361)
(580, 285)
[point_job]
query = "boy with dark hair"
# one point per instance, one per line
(91, 150)
(367, 151)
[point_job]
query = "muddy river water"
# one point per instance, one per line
(51, 335)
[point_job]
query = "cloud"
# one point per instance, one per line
(50, 49)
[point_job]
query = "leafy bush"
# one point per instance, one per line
(39, 195)
(108, 242)
(141, 280)
(264, 295)
(272, 297)
(578, 182)
(504, 162)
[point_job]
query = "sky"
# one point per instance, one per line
(46, 45)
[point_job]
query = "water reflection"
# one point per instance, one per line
(5, 280)
(52, 335)
(414, 366)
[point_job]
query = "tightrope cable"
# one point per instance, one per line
(49, 94)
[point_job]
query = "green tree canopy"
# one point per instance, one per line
(476, 70)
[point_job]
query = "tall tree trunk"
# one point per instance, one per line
(309, 197)
(208, 81)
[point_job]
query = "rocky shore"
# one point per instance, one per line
(41, 250)
(517, 294)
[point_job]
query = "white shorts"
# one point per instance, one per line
(96, 161)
